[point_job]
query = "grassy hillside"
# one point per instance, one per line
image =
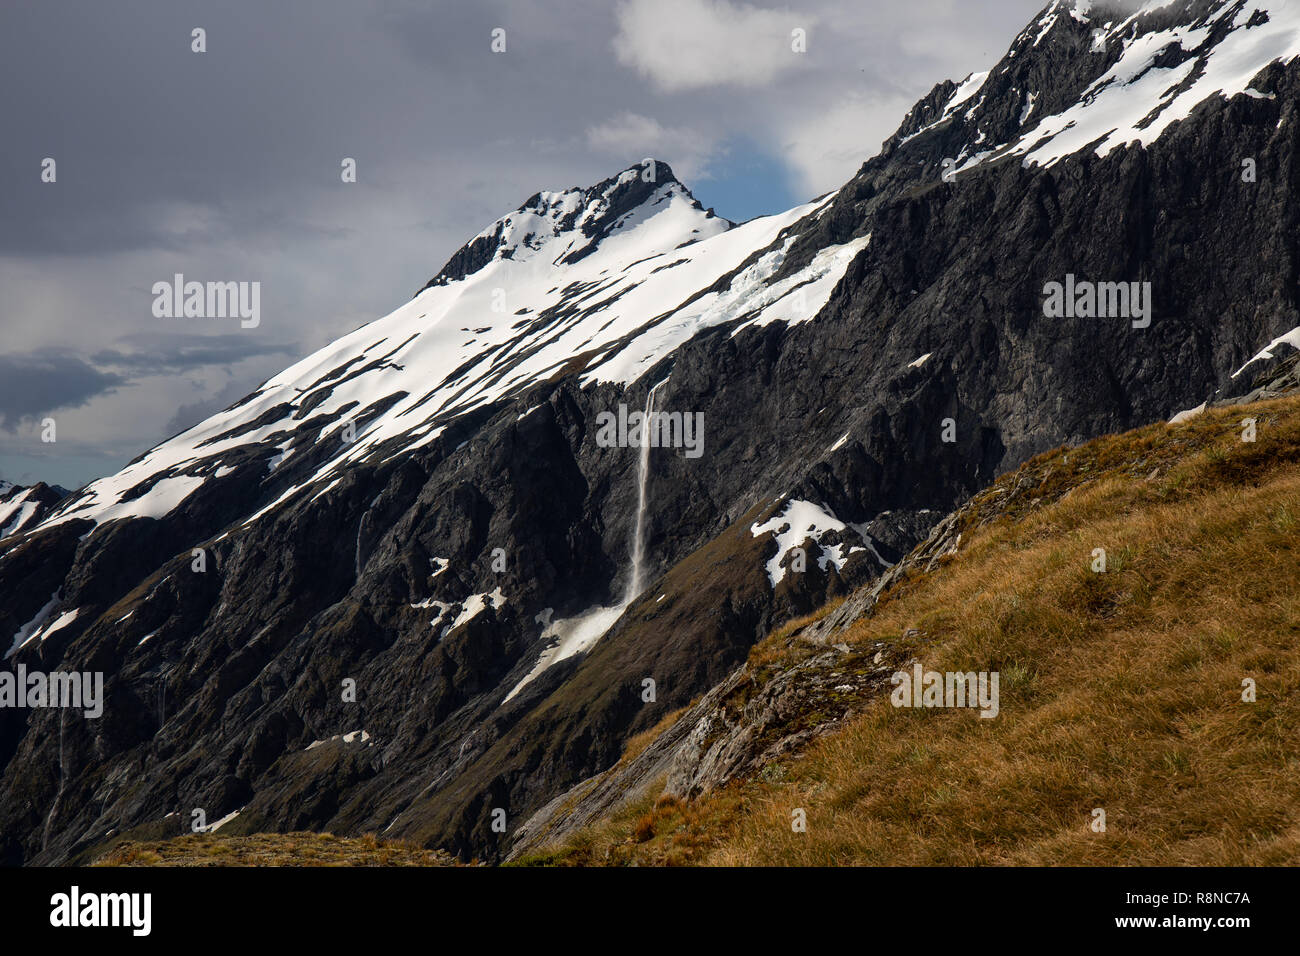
(1120, 691)
(272, 849)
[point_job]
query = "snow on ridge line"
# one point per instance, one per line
(1114, 111)
(1110, 111)
(1291, 338)
(965, 91)
(451, 351)
(562, 215)
(15, 514)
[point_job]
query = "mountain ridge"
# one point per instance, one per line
(595, 211)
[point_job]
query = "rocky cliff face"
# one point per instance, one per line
(390, 591)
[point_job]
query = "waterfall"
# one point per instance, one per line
(58, 796)
(360, 527)
(643, 469)
(577, 635)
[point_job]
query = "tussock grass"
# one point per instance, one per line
(651, 831)
(639, 743)
(272, 849)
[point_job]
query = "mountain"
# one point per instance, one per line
(23, 508)
(424, 581)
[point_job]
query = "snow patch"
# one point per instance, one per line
(1188, 415)
(63, 620)
(15, 514)
(354, 736)
(1030, 99)
(570, 636)
(476, 604)
(214, 827)
(1291, 338)
(25, 633)
(796, 523)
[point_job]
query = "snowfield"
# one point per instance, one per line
(17, 513)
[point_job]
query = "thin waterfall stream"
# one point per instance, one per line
(635, 583)
(578, 634)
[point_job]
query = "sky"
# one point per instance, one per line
(226, 164)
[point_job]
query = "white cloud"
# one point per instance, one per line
(693, 44)
(824, 149)
(629, 137)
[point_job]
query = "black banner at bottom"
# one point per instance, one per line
(230, 906)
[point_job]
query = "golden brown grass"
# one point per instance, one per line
(272, 849)
(662, 831)
(638, 744)
(1120, 691)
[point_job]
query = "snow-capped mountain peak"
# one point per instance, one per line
(557, 228)
(603, 281)
(1104, 75)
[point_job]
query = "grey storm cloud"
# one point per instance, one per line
(192, 413)
(40, 382)
(225, 165)
(35, 383)
(173, 353)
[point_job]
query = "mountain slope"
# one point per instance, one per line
(1126, 690)
(615, 274)
(425, 507)
(24, 508)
